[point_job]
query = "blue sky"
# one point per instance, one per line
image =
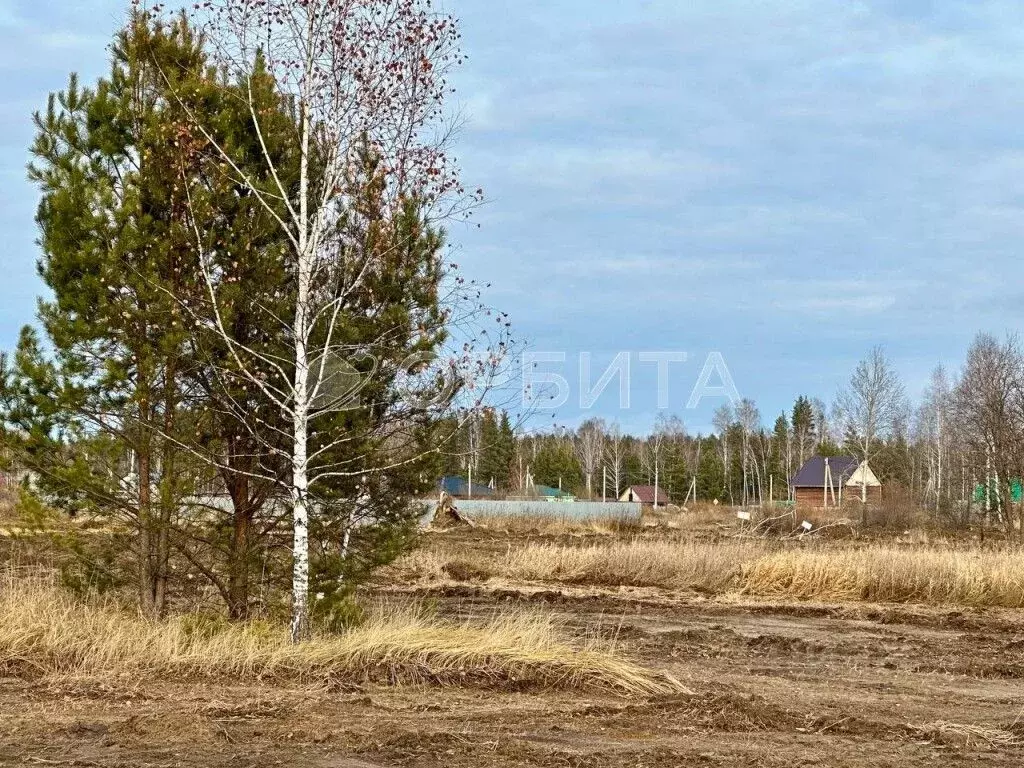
(787, 184)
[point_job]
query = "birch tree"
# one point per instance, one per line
(615, 451)
(589, 446)
(822, 429)
(366, 81)
(870, 407)
(934, 429)
(749, 419)
(651, 450)
(723, 420)
(986, 400)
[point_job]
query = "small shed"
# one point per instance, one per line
(834, 481)
(644, 494)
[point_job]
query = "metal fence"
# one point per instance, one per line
(560, 510)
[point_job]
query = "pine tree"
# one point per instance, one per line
(803, 428)
(503, 452)
(781, 462)
(127, 185)
(236, 232)
(677, 475)
(710, 473)
(633, 471)
(556, 465)
(492, 455)
(114, 237)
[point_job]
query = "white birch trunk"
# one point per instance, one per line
(938, 461)
(300, 534)
(655, 481)
(300, 426)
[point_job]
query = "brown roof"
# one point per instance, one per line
(646, 494)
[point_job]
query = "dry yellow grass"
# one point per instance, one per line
(418, 566)
(878, 573)
(691, 517)
(45, 631)
(556, 525)
(891, 574)
(996, 737)
(676, 564)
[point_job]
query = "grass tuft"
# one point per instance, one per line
(44, 631)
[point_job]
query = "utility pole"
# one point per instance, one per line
(988, 480)
(657, 449)
(655, 481)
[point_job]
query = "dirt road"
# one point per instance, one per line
(774, 685)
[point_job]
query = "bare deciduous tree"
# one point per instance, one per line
(933, 428)
(615, 456)
(723, 420)
(589, 445)
(869, 407)
(749, 419)
(988, 405)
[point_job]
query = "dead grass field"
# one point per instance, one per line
(829, 654)
(672, 564)
(931, 574)
(43, 631)
(891, 574)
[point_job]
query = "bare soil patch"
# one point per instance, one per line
(775, 683)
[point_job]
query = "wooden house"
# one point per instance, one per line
(834, 482)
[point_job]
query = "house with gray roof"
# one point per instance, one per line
(834, 481)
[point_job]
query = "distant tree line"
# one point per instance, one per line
(959, 452)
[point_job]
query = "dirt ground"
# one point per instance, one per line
(773, 684)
